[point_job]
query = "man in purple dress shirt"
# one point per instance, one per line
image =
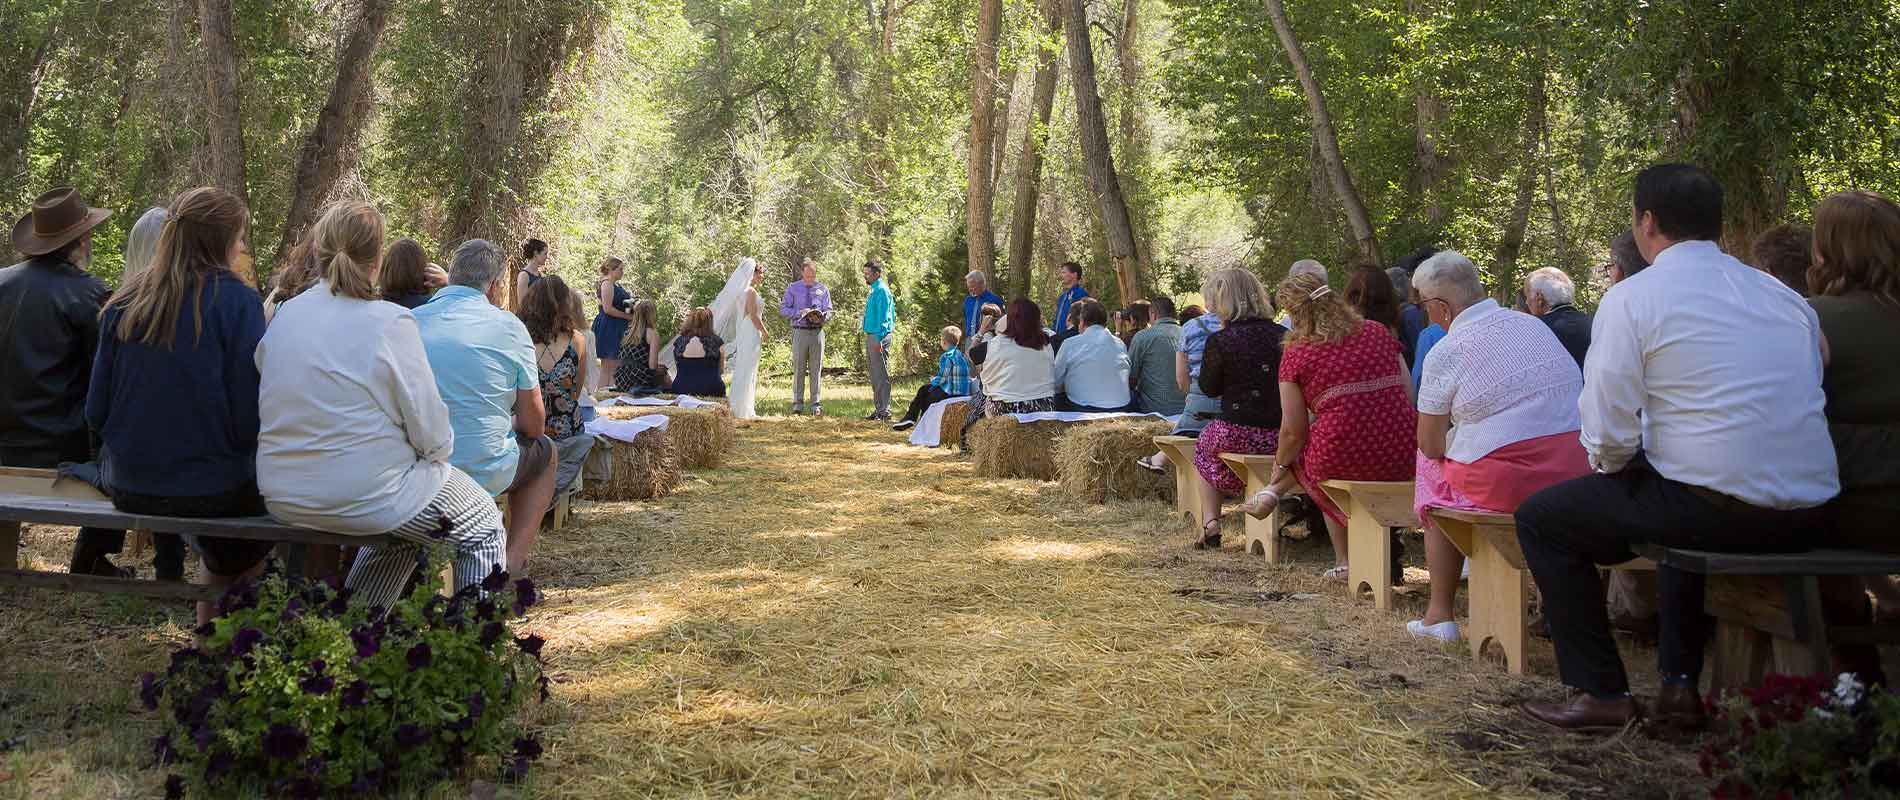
(808, 305)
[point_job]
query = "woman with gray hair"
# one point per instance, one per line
(1497, 418)
(141, 244)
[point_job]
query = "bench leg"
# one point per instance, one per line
(9, 545)
(1498, 595)
(1369, 556)
(1812, 654)
(1739, 656)
(1262, 534)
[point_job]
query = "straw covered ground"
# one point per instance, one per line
(835, 614)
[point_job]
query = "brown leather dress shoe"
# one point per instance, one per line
(1586, 714)
(1681, 706)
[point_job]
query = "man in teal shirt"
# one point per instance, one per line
(880, 319)
(485, 369)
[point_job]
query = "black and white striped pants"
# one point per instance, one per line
(461, 516)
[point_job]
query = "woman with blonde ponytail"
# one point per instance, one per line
(1345, 404)
(356, 438)
(174, 388)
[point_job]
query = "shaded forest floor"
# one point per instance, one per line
(834, 613)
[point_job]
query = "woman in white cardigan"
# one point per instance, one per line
(355, 438)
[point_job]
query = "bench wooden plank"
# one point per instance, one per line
(1810, 562)
(101, 514)
(68, 582)
(1372, 508)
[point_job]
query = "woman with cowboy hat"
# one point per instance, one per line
(49, 326)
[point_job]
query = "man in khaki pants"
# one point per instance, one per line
(807, 304)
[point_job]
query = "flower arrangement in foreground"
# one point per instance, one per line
(1800, 736)
(294, 691)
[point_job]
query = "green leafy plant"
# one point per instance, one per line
(1801, 736)
(296, 691)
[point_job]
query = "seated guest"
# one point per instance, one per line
(1151, 362)
(141, 247)
(1135, 319)
(49, 330)
(404, 279)
(483, 360)
(1625, 259)
(1700, 437)
(1307, 267)
(1019, 367)
(1345, 405)
(953, 380)
(1092, 374)
(293, 276)
(1197, 409)
(1191, 312)
(1369, 292)
(639, 370)
(1073, 326)
(174, 388)
(1786, 252)
(700, 357)
(1412, 319)
(1505, 385)
(1240, 367)
(355, 438)
(1549, 295)
(991, 316)
(552, 314)
(1856, 285)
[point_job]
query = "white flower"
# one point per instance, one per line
(1847, 690)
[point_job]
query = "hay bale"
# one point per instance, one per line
(700, 436)
(953, 419)
(643, 469)
(1005, 448)
(1096, 462)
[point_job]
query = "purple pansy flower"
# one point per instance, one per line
(355, 695)
(410, 734)
(366, 641)
(525, 597)
(531, 644)
(497, 579)
(317, 682)
(491, 632)
(527, 747)
(162, 749)
(244, 640)
(149, 689)
(284, 742)
(218, 765)
(174, 787)
(420, 655)
(443, 527)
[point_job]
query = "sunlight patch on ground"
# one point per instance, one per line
(1033, 550)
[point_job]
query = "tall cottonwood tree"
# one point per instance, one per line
(329, 147)
(225, 121)
(980, 196)
(1022, 225)
(1325, 137)
(1092, 132)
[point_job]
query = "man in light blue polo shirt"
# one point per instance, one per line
(485, 370)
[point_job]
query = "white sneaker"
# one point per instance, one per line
(1338, 573)
(1443, 631)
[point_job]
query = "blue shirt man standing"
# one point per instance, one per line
(880, 320)
(979, 286)
(1071, 276)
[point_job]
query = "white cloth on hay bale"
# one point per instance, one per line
(683, 401)
(625, 429)
(1081, 416)
(929, 430)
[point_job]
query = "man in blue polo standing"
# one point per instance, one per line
(880, 320)
(1071, 276)
(979, 286)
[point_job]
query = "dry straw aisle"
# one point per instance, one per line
(836, 614)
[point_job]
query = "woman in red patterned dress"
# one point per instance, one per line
(1347, 372)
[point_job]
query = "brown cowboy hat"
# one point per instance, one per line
(58, 217)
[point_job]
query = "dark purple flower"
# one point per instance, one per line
(218, 764)
(315, 765)
(443, 527)
(516, 769)
(202, 735)
(293, 608)
(162, 749)
(366, 641)
(420, 655)
(477, 705)
(318, 681)
(525, 597)
(174, 787)
(542, 682)
(149, 689)
(284, 742)
(485, 609)
(304, 789)
(410, 734)
(527, 747)
(497, 579)
(355, 695)
(339, 603)
(492, 632)
(531, 644)
(245, 639)
(186, 657)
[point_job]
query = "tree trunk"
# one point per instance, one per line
(321, 161)
(1325, 136)
(1005, 108)
(883, 163)
(17, 105)
(1558, 229)
(1022, 225)
(1504, 267)
(1428, 162)
(1134, 138)
(979, 203)
(224, 122)
(1092, 130)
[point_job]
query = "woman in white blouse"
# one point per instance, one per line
(1019, 367)
(1497, 417)
(355, 438)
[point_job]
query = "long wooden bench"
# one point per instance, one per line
(1768, 608)
(1499, 590)
(1187, 479)
(1263, 535)
(1372, 509)
(41, 497)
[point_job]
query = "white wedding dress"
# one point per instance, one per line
(732, 322)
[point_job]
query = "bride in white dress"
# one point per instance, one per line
(737, 318)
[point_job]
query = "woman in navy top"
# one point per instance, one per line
(174, 384)
(697, 351)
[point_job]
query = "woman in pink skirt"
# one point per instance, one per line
(1239, 367)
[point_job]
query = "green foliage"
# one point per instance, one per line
(1798, 736)
(295, 690)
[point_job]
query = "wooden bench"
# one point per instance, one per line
(1187, 479)
(1499, 589)
(1372, 509)
(1263, 535)
(41, 497)
(1768, 608)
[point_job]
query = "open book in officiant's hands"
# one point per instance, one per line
(814, 317)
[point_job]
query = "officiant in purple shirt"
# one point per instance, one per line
(808, 305)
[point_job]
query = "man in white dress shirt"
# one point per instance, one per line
(1092, 367)
(1702, 414)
